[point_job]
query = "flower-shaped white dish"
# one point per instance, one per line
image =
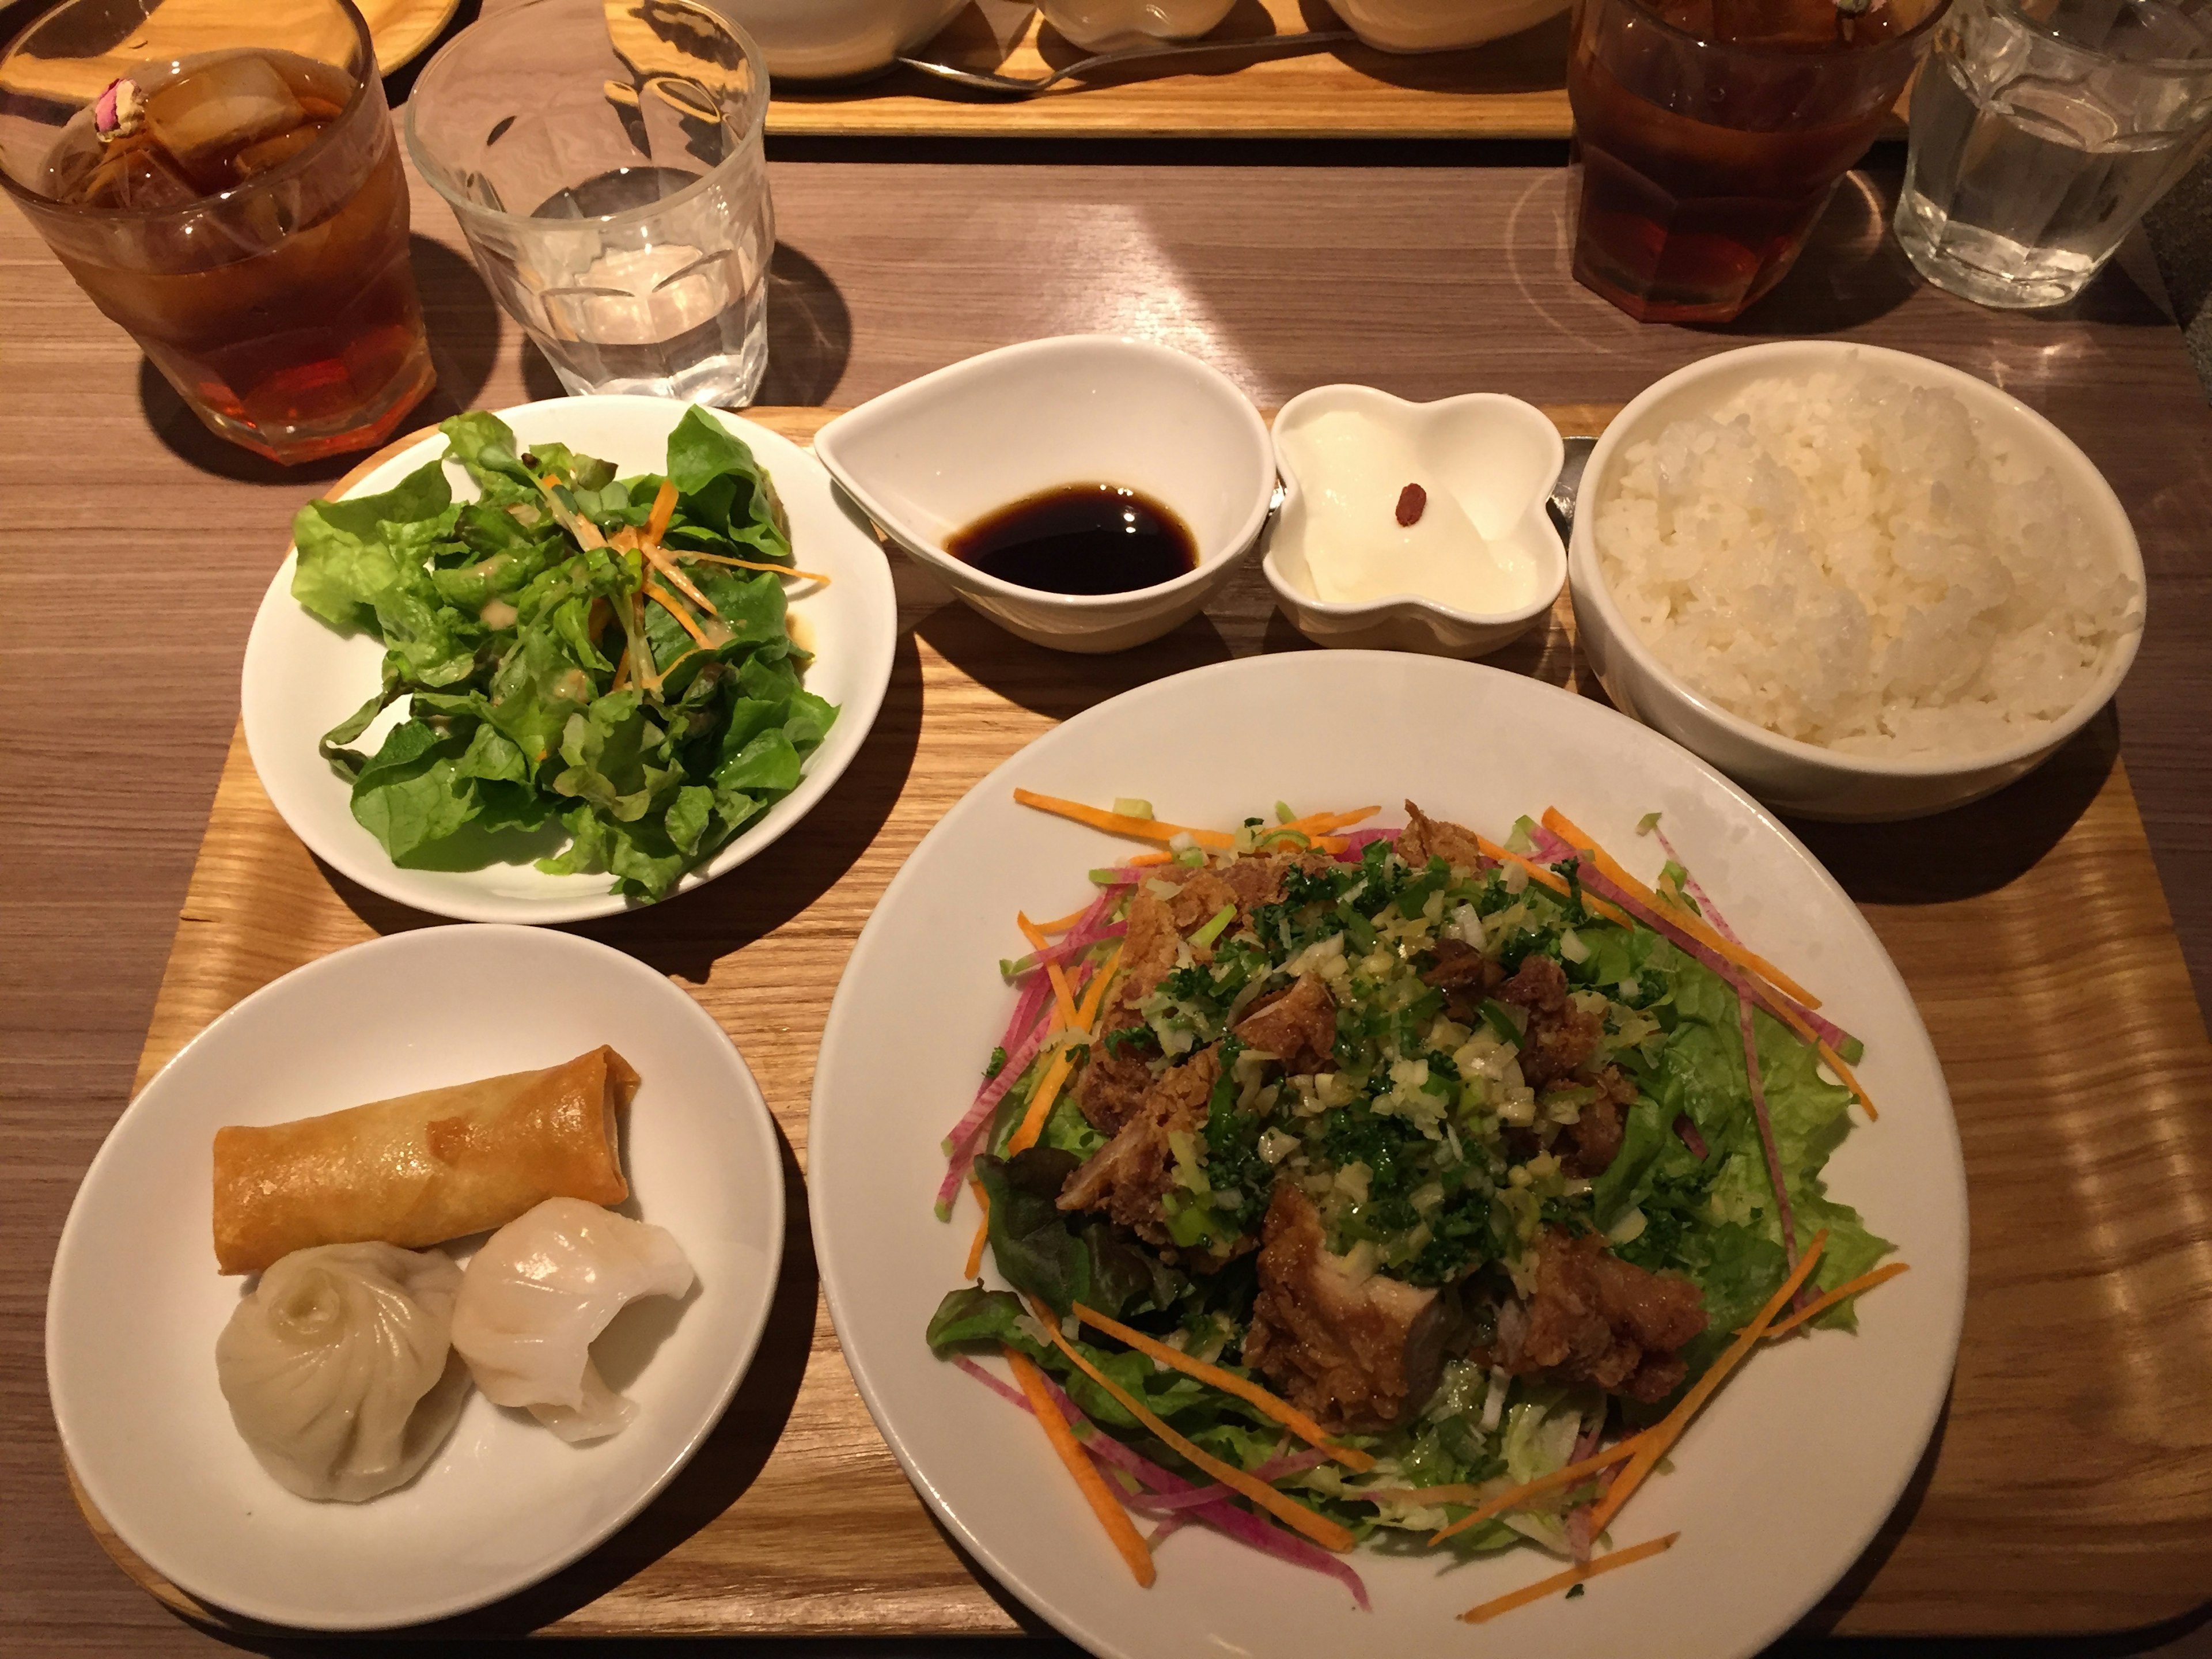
(1496, 457)
(1102, 25)
(935, 455)
(836, 39)
(1408, 26)
(1804, 778)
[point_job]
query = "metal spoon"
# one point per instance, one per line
(1561, 502)
(1022, 88)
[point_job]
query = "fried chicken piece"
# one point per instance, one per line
(1424, 838)
(1297, 1026)
(1560, 1037)
(1126, 1178)
(1595, 1318)
(1354, 1354)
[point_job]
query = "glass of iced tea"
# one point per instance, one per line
(226, 185)
(1710, 134)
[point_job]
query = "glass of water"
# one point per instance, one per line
(605, 159)
(2042, 129)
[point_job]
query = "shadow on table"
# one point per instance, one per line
(1851, 273)
(686, 935)
(810, 338)
(1061, 685)
(1975, 848)
(463, 323)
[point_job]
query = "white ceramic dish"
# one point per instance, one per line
(1804, 778)
(1104, 25)
(135, 1303)
(938, 454)
(302, 677)
(1409, 26)
(1779, 1485)
(836, 39)
(1496, 455)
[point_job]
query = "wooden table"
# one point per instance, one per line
(142, 546)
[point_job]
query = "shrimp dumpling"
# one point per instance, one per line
(543, 1287)
(338, 1368)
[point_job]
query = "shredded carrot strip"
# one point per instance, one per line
(1569, 1578)
(1322, 824)
(1149, 858)
(1055, 1075)
(622, 669)
(666, 601)
(1103, 1504)
(1032, 931)
(1573, 1475)
(1284, 1507)
(1670, 1428)
(1565, 828)
(1062, 924)
(982, 1231)
(1285, 1414)
(664, 509)
(1552, 879)
(754, 564)
(1063, 998)
(1116, 823)
(1820, 1305)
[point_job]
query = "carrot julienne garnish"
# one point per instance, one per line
(1285, 1508)
(1055, 1075)
(1103, 1504)
(1569, 1579)
(664, 509)
(1565, 829)
(1062, 924)
(1118, 824)
(1284, 1412)
(1550, 878)
(1558, 1480)
(982, 1230)
(1820, 1305)
(1670, 1428)
(754, 564)
(666, 601)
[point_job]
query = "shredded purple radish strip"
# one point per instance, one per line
(1703, 899)
(1069, 949)
(1270, 1471)
(1241, 1525)
(1356, 842)
(1578, 1520)
(1766, 1130)
(1686, 1127)
(1167, 1528)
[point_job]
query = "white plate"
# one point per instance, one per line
(1779, 1486)
(303, 676)
(135, 1303)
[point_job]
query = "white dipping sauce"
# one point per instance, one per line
(1353, 468)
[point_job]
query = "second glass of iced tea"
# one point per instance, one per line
(229, 189)
(1710, 134)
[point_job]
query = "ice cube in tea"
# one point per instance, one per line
(207, 116)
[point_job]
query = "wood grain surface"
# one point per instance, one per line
(1426, 274)
(1514, 88)
(2084, 1165)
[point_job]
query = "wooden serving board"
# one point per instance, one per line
(1514, 88)
(2069, 1485)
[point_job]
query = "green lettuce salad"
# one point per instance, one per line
(577, 651)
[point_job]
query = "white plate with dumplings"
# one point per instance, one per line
(135, 1305)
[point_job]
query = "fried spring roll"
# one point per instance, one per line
(423, 1168)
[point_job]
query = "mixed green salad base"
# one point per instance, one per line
(549, 677)
(1431, 1161)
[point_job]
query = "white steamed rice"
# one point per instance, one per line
(1843, 559)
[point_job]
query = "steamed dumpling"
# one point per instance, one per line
(337, 1368)
(537, 1293)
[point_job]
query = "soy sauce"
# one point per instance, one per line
(1079, 538)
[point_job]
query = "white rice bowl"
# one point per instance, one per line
(1850, 560)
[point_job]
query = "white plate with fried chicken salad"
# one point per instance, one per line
(1324, 1147)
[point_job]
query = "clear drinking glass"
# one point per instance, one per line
(605, 159)
(224, 184)
(2042, 129)
(1710, 134)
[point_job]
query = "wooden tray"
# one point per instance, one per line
(1510, 89)
(2068, 1488)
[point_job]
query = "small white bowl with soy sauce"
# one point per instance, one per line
(1086, 493)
